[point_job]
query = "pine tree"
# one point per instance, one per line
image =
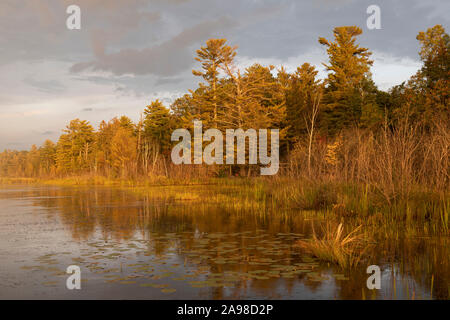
(434, 52)
(75, 147)
(265, 106)
(48, 157)
(349, 66)
(103, 147)
(301, 94)
(213, 57)
(424, 98)
(433, 78)
(124, 152)
(158, 125)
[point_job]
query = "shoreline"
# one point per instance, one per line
(341, 201)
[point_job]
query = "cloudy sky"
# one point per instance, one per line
(129, 52)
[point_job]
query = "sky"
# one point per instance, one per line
(131, 52)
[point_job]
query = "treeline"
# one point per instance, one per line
(318, 120)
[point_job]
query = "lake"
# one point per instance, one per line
(190, 242)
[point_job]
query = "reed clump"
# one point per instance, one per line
(345, 249)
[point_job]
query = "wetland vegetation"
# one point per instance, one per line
(205, 242)
(364, 180)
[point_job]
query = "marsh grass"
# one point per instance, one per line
(345, 249)
(361, 202)
(99, 180)
(9, 180)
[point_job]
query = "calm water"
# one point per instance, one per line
(188, 243)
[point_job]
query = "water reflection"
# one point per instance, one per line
(199, 242)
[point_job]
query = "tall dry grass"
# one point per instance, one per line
(345, 249)
(394, 160)
(405, 168)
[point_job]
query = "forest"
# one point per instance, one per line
(340, 129)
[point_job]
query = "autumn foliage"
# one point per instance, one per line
(342, 126)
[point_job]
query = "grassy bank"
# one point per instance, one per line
(347, 219)
(338, 200)
(91, 180)
(363, 201)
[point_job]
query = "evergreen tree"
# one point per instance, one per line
(424, 97)
(346, 94)
(301, 94)
(75, 147)
(433, 78)
(124, 152)
(158, 125)
(213, 57)
(48, 157)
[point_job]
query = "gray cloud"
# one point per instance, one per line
(36, 29)
(166, 59)
(168, 80)
(129, 52)
(49, 86)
